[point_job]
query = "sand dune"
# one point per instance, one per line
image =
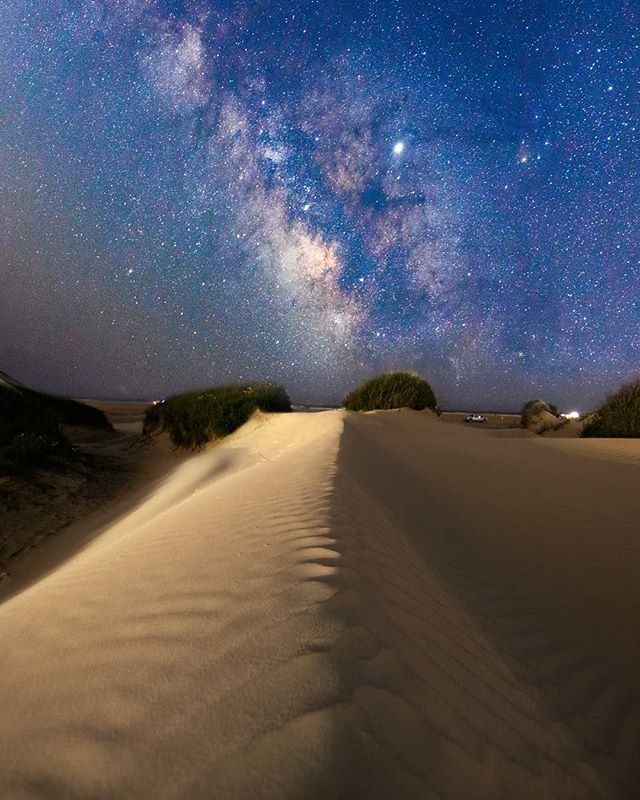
(340, 605)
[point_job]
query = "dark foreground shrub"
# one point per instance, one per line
(619, 417)
(391, 390)
(195, 418)
(29, 451)
(29, 433)
(71, 412)
(534, 410)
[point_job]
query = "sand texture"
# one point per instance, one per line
(338, 605)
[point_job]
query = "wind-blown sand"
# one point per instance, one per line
(342, 605)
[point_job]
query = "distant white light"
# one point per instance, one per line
(398, 148)
(571, 415)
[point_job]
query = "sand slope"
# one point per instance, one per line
(501, 572)
(339, 606)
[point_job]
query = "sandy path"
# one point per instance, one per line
(341, 606)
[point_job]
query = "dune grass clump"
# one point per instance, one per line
(71, 412)
(619, 417)
(29, 433)
(392, 390)
(196, 418)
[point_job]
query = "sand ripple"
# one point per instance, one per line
(340, 606)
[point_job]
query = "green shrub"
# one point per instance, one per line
(196, 418)
(619, 417)
(392, 390)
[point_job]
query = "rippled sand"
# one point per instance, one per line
(335, 605)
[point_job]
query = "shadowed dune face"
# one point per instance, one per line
(340, 606)
(502, 574)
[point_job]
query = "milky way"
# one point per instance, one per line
(199, 192)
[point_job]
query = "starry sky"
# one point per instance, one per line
(201, 191)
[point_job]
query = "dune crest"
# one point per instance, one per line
(339, 605)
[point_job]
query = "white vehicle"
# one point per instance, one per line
(475, 418)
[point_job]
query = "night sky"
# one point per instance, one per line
(199, 192)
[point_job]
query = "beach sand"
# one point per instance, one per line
(338, 605)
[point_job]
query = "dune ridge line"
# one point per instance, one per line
(332, 605)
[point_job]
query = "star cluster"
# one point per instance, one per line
(195, 192)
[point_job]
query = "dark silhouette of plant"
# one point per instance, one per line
(392, 390)
(619, 417)
(30, 436)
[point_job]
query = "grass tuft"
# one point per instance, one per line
(619, 417)
(196, 418)
(392, 390)
(71, 412)
(30, 435)
(532, 410)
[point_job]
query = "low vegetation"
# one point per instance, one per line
(392, 390)
(71, 412)
(538, 412)
(619, 417)
(196, 418)
(30, 435)
(550, 427)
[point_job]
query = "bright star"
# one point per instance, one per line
(398, 147)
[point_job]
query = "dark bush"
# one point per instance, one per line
(533, 409)
(71, 412)
(392, 390)
(30, 435)
(196, 418)
(23, 413)
(29, 432)
(619, 417)
(29, 451)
